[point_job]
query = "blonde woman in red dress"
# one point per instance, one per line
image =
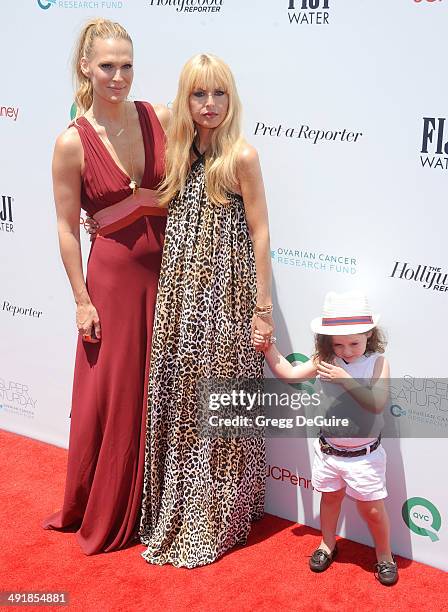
(108, 162)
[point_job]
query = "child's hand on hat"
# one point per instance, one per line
(331, 373)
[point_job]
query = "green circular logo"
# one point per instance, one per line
(308, 387)
(422, 517)
(73, 110)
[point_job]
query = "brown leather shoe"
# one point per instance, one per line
(386, 572)
(321, 560)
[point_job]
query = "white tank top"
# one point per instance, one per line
(362, 370)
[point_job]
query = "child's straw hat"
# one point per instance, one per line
(344, 314)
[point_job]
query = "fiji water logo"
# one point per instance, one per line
(422, 517)
(434, 149)
(6, 214)
(309, 12)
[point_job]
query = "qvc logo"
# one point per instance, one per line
(422, 517)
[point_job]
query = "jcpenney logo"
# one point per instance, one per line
(9, 112)
(285, 475)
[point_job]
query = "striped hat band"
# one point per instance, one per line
(360, 320)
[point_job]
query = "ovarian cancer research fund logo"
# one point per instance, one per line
(314, 261)
(80, 4)
(422, 517)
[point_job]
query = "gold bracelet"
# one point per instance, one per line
(264, 309)
(262, 315)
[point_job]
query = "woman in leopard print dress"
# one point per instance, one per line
(201, 493)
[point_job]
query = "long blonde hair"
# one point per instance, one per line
(95, 28)
(207, 72)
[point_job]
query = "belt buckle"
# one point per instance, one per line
(324, 446)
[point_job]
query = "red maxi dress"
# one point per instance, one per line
(107, 435)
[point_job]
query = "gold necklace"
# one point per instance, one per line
(133, 183)
(119, 133)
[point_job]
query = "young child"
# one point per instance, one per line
(349, 349)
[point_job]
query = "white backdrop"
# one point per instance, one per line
(347, 201)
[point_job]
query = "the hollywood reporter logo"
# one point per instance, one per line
(429, 277)
(190, 6)
(434, 151)
(308, 12)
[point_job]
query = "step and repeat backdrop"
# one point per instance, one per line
(346, 102)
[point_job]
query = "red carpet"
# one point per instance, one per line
(269, 573)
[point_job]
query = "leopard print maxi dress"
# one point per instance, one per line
(200, 494)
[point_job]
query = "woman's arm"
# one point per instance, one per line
(67, 164)
(373, 398)
(252, 189)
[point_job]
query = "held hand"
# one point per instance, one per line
(262, 329)
(87, 320)
(331, 373)
(258, 341)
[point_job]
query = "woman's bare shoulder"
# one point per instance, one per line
(68, 148)
(247, 160)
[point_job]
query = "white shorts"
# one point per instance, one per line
(364, 477)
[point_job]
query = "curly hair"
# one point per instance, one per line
(323, 345)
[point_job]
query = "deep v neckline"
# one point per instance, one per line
(109, 154)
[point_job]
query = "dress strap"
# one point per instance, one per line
(200, 156)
